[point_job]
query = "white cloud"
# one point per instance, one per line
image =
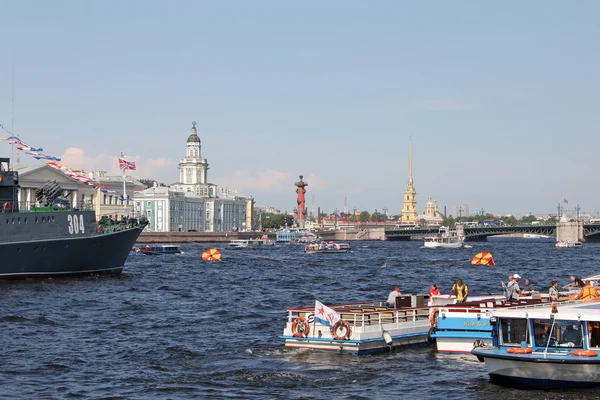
(268, 180)
(443, 105)
(161, 169)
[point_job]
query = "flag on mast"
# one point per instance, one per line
(126, 165)
(325, 315)
(565, 201)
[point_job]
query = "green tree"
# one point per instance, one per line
(450, 221)
(528, 219)
(364, 216)
(150, 182)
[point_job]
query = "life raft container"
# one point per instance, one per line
(520, 350)
(6, 207)
(584, 353)
(341, 325)
(300, 327)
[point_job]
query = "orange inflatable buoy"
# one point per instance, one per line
(211, 255)
(520, 350)
(584, 353)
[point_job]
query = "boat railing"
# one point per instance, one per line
(371, 316)
(35, 206)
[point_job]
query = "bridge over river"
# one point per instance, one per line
(591, 232)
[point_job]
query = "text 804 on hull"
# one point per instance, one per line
(47, 237)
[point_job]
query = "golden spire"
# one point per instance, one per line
(410, 180)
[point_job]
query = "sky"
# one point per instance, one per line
(501, 99)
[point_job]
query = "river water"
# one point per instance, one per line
(175, 327)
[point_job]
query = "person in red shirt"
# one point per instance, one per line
(433, 290)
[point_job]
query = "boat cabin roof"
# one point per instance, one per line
(571, 310)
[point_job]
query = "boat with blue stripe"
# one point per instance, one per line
(458, 326)
(549, 346)
(362, 328)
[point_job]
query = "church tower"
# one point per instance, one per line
(193, 169)
(409, 211)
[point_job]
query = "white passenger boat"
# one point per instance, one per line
(359, 328)
(327, 247)
(545, 347)
(445, 239)
(535, 236)
(567, 244)
(458, 326)
(250, 243)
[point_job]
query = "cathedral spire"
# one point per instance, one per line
(410, 179)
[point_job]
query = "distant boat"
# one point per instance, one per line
(327, 247)
(250, 243)
(446, 239)
(536, 236)
(567, 244)
(156, 249)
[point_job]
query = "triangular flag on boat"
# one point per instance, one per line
(483, 258)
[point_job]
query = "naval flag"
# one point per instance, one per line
(125, 165)
(325, 315)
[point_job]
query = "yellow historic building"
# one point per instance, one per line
(409, 211)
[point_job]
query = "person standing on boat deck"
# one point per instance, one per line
(553, 292)
(513, 290)
(577, 282)
(461, 289)
(391, 300)
(433, 290)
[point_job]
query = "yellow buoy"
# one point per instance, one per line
(211, 255)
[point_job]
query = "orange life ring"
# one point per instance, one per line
(300, 327)
(584, 353)
(6, 207)
(433, 317)
(520, 350)
(337, 326)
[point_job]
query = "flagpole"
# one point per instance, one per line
(124, 188)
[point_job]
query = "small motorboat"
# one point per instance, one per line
(327, 247)
(568, 244)
(156, 249)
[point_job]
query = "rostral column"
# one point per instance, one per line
(301, 210)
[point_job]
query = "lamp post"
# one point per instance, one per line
(335, 217)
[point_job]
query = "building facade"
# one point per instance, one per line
(113, 203)
(194, 204)
(193, 169)
(168, 210)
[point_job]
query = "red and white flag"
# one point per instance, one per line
(325, 315)
(565, 201)
(125, 165)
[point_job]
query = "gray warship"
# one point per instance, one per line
(51, 238)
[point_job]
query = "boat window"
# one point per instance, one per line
(513, 331)
(594, 333)
(557, 333)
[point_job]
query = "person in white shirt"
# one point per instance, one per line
(391, 300)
